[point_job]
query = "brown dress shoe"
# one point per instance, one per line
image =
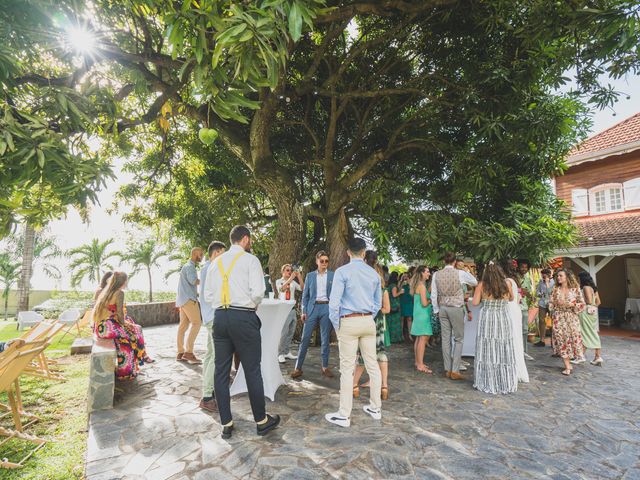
(447, 374)
(191, 359)
(297, 373)
(456, 376)
(209, 405)
(180, 357)
(326, 372)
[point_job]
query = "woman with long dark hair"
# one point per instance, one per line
(495, 362)
(589, 318)
(565, 304)
(394, 322)
(112, 322)
(421, 327)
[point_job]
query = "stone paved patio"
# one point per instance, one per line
(586, 426)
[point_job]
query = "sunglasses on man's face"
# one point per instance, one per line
(324, 260)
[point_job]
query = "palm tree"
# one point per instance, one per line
(9, 274)
(144, 255)
(35, 249)
(90, 260)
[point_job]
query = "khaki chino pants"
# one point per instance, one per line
(189, 316)
(357, 332)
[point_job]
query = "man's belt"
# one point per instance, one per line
(322, 302)
(240, 309)
(357, 314)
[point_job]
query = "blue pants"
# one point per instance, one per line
(320, 315)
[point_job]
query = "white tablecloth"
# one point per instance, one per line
(272, 314)
(471, 330)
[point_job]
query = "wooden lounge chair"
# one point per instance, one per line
(11, 366)
(42, 366)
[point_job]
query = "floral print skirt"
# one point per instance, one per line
(129, 343)
(566, 338)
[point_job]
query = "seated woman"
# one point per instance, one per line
(111, 321)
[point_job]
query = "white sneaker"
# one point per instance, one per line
(463, 368)
(291, 356)
(578, 361)
(528, 357)
(376, 414)
(466, 364)
(281, 359)
(337, 419)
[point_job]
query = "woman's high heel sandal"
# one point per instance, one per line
(384, 393)
(356, 391)
(597, 361)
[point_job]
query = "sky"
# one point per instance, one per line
(71, 232)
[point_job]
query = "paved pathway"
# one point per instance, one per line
(586, 426)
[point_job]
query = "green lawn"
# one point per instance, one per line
(61, 406)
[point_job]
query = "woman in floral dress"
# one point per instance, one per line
(565, 304)
(112, 322)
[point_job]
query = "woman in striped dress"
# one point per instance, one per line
(589, 324)
(495, 362)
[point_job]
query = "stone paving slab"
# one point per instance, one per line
(586, 426)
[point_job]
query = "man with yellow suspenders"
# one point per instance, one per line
(235, 287)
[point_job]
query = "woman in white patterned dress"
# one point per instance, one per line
(495, 362)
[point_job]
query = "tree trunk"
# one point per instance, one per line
(150, 286)
(6, 307)
(338, 234)
(24, 283)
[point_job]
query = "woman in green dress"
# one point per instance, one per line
(421, 326)
(589, 318)
(394, 322)
(406, 304)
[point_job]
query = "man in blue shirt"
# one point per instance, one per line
(356, 298)
(187, 302)
(208, 401)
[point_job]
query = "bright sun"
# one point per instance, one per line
(80, 40)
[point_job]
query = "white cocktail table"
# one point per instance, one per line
(272, 314)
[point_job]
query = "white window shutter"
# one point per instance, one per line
(580, 202)
(632, 194)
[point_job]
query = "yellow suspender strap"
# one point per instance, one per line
(226, 296)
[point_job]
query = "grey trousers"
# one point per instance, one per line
(288, 329)
(452, 326)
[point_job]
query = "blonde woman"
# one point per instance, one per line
(111, 322)
(421, 327)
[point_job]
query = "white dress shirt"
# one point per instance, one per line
(246, 280)
(293, 287)
(321, 287)
(465, 278)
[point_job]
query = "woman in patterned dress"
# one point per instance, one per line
(495, 361)
(381, 342)
(406, 304)
(112, 322)
(589, 325)
(566, 303)
(394, 321)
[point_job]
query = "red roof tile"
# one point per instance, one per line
(616, 229)
(627, 131)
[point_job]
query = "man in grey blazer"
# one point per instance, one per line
(315, 310)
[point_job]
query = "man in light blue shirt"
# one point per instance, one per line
(356, 298)
(187, 302)
(208, 401)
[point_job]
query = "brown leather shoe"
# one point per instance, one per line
(297, 373)
(191, 359)
(180, 357)
(326, 372)
(209, 405)
(447, 374)
(456, 376)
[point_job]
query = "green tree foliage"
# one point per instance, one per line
(91, 261)
(144, 255)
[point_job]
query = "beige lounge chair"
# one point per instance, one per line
(11, 367)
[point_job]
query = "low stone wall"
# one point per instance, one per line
(151, 314)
